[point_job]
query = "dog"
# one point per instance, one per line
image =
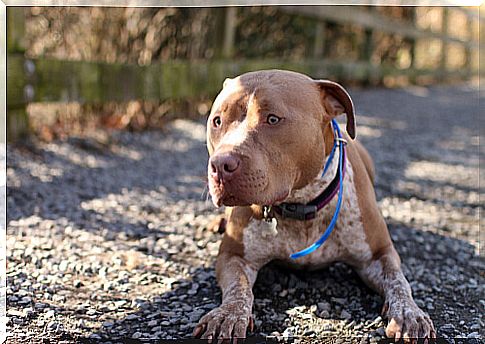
(269, 135)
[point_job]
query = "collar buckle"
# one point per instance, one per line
(298, 211)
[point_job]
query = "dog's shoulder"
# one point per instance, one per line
(375, 228)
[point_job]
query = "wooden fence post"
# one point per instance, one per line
(319, 43)
(412, 46)
(366, 51)
(229, 31)
(468, 51)
(17, 119)
(225, 31)
(481, 33)
(444, 46)
(413, 41)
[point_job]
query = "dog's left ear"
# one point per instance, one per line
(337, 101)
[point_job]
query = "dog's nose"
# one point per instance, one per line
(224, 166)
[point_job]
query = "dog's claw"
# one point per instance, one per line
(408, 322)
(197, 331)
(385, 308)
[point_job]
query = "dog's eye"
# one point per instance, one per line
(272, 119)
(217, 121)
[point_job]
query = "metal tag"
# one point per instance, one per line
(271, 225)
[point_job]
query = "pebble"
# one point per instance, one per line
(108, 324)
(132, 317)
(53, 326)
(345, 315)
(152, 323)
(324, 306)
(475, 335)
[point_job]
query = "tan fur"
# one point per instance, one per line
(287, 160)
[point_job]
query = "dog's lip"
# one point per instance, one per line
(280, 198)
(222, 199)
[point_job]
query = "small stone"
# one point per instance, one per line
(447, 327)
(63, 265)
(340, 301)
(40, 305)
(475, 327)
(308, 333)
(132, 316)
(52, 326)
(287, 333)
(381, 331)
(108, 324)
(345, 315)
(15, 313)
(324, 306)
(25, 300)
(28, 311)
(91, 312)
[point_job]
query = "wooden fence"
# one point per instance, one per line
(42, 80)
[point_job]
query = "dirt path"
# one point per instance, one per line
(111, 241)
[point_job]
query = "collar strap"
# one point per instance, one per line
(308, 211)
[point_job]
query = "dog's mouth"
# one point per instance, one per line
(240, 196)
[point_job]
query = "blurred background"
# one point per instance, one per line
(77, 69)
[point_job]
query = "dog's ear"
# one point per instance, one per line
(336, 101)
(226, 82)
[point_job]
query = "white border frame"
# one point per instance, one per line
(3, 172)
(137, 3)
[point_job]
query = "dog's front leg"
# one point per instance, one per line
(236, 278)
(406, 319)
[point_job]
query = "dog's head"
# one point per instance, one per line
(265, 135)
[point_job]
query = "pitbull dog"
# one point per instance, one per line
(269, 135)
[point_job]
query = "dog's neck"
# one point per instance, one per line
(315, 187)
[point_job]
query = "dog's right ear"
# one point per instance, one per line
(336, 101)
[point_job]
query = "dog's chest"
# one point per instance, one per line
(263, 243)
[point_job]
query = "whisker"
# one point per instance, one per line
(204, 192)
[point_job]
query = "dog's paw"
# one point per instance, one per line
(229, 321)
(408, 321)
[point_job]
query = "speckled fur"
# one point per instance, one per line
(294, 235)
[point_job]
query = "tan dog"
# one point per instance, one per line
(269, 135)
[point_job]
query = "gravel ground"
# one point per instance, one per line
(111, 240)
